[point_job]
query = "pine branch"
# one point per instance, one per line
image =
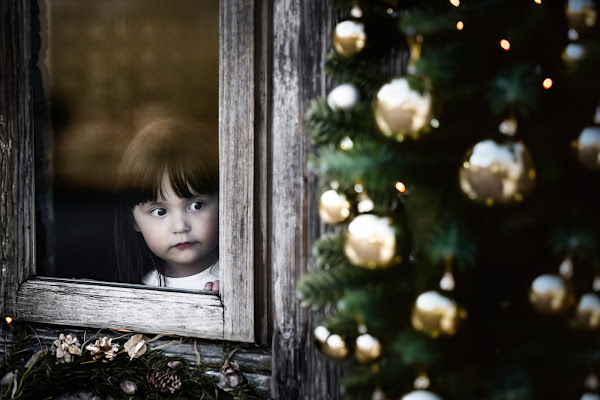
(452, 243)
(327, 126)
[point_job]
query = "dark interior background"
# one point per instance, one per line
(106, 68)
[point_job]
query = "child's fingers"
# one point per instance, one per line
(215, 287)
(208, 286)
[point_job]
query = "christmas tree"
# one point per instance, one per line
(458, 153)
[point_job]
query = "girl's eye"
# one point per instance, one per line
(158, 212)
(197, 205)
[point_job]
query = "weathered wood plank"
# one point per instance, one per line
(288, 205)
(301, 34)
(16, 151)
(105, 306)
(236, 148)
(262, 295)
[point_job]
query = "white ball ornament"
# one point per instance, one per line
(343, 97)
(421, 395)
(370, 242)
(402, 111)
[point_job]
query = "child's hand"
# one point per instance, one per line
(212, 286)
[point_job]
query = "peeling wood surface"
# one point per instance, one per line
(301, 32)
(105, 306)
(16, 150)
(236, 151)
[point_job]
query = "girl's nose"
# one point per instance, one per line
(180, 223)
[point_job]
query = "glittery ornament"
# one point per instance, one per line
(402, 111)
(370, 241)
(436, 314)
(581, 14)
(333, 207)
(588, 147)
(368, 349)
(587, 315)
(497, 172)
(551, 294)
(349, 38)
(335, 347)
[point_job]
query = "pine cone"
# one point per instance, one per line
(103, 349)
(65, 348)
(164, 381)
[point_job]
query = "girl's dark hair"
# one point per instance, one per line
(188, 156)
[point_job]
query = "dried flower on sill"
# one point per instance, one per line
(65, 348)
(136, 346)
(103, 349)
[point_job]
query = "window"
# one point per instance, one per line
(88, 303)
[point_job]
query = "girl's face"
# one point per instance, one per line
(183, 232)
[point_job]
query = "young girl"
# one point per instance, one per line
(167, 224)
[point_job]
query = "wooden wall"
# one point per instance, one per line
(291, 52)
(301, 32)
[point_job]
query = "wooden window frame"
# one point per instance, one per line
(230, 316)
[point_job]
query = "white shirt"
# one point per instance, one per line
(196, 282)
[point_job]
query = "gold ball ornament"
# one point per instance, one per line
(587, 315)
(581, 14)
(588, 147)
(436, 314)
(335, 347)
(333, 207)
(370, 242)
(421, 395)
(551, 294)
(368, 349)
(497, 172)
(349, 38)
(402, 111)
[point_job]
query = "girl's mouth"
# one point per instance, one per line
(184, 245)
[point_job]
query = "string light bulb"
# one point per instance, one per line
(455, 3)
(505, 44)
(547, 83)
(400, 187)
(460, 25)
(538, 1)
(8, 320)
